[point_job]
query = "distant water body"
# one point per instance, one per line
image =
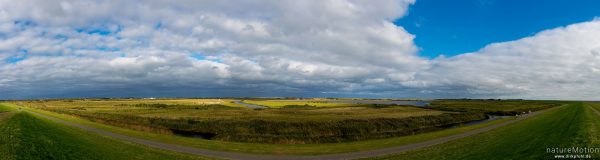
(254, 106)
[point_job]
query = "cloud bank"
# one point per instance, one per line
(190, 48)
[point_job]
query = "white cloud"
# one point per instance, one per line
(557, 64)
(297, 45)
(272, 48)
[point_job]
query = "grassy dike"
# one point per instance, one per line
(593, 124)
(296, 149)
(574, 125)
(25, 136)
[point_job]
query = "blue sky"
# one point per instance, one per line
(455, 27)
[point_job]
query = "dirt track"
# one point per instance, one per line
(596, 111)
(233, 155)
(4, 115)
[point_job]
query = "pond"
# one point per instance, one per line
(254, 106)
(489, 118)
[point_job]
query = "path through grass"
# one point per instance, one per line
(574, 125)
(293, 149)
(24, 136)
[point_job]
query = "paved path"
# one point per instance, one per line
(233, 155)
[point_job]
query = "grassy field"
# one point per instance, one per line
(501, 107)
(109, 102)
(24, 136)
(75, 111)
(296, 149)
(276, 125)
(5, 109)
(190, 108)
(288, 103)
(574, 125)
(593, 124)
(5, 113)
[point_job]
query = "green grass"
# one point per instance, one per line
(280, 125)
(24, 136)
(494, 105)
(593, 124)
(283, 103)
(5, 108)
(198, 112)
(298, 149)
(570, 126)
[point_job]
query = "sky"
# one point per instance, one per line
(326, 48)
(453, 27)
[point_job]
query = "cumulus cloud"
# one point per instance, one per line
(80, 48)
(210, 46)
(559, 63)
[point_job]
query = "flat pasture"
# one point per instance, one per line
(498, 107)
(297, 103)
(211, 119)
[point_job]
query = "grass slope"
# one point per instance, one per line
(5, 108)
(574, 125)
(593, 124)
(24, 136)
